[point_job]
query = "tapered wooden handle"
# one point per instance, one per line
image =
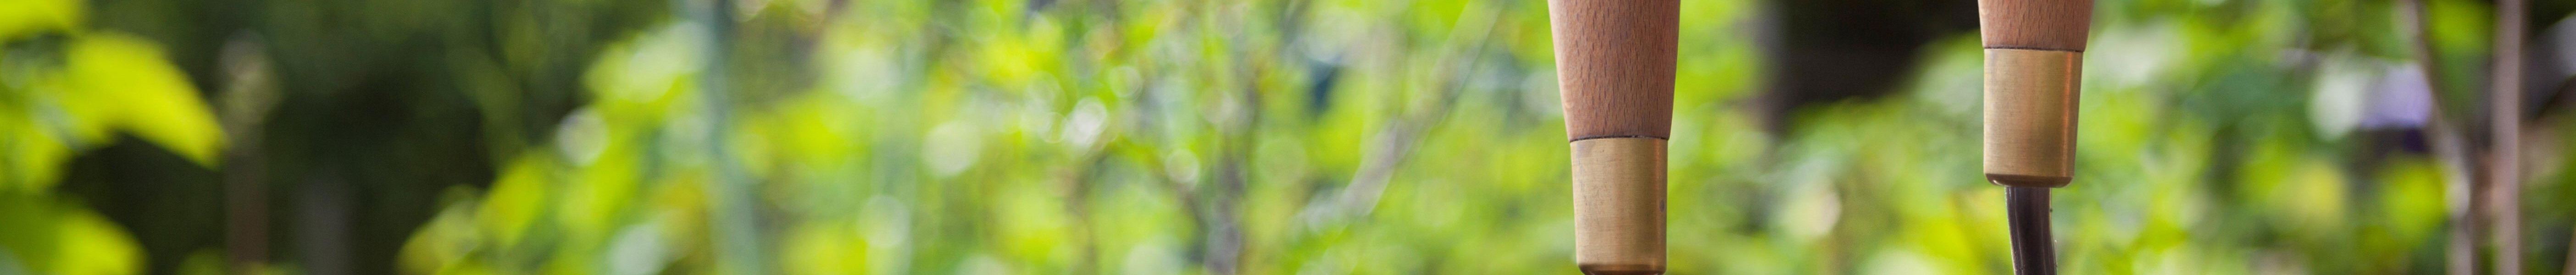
(2035, 24)
(1614, 61)
(1614, 65)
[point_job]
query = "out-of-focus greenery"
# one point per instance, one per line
(1197, 137)
(72, 90)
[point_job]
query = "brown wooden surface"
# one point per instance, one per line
(1614, 61)
(2035, 24)
(1619, 205)
(2030, 116)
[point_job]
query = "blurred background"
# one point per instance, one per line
(1242, 137)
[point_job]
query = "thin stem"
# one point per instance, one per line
(732, 218)
(2448, 144)
(2505, 99)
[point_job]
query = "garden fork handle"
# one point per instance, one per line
(1614, 62)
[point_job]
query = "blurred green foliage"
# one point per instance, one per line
(65, 88)
(1210, 137)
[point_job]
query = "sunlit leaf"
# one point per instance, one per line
(443, 242)
(516, 200)
(24, 17)
(125, 81)
(47, 236)
(33, 157)
(91, 245)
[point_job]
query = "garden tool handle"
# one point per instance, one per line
(1614, 63)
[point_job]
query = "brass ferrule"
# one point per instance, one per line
(1619, 205)
(2030, 116)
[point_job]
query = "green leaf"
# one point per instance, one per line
(47, 236)
(30, 160)
(516, 200)
(124, 81)
(91, 245)
(25, 17)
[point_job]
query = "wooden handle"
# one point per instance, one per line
(1614, 61)
(1614, 65)
(2035, 24)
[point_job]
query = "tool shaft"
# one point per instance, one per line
(2034, 250)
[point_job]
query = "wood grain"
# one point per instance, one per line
(1614, 64)
(1619, 205)
(2030, 116)
(2035, 24)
